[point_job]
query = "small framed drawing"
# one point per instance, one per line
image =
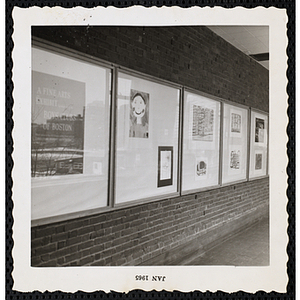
(201, 168)
(259, 130)
(203, 123)
(165, 166)
(235, 156)
(235, 123)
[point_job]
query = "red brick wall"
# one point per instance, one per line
(191, 56)
(134, 235)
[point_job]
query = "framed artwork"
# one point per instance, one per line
(258, 160)
(235, 123)
(139, 114)
(258, 144)
(201, 168)
(165, 166)
(203, 123)
(235, 159)
(259, 130)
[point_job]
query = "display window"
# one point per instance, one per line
(258, 144)
(235, 143)
(146, 140)
(151, 140)
(69, 134)
(201, 140)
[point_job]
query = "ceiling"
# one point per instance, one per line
(252, 40)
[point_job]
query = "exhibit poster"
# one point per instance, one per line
(139, 114)
(201, 168)
(259, 130)
(258, 160)
(57, 125)
(235, 159)
(165, 166)
(235, 123)
(203, 123)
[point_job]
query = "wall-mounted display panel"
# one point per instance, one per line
(201, 139)
(258, 145)
(146, 139)
(69, 134)
(235, 133)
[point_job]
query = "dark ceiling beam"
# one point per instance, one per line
(260, 56)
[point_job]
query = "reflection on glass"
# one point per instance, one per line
(70, 134)
(57, 125)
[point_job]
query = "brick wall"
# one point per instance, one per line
(134, 235)
(191, 56)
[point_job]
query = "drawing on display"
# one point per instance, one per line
(203, 123)
(201, 168)
(236, 122)
(139, 114)
(57, 125)
(258, 161)
(259, 130)
(165, 166)
(235, 159)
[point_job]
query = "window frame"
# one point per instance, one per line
(255, 110)
(115, 69)
(220, 101)
(164, 82)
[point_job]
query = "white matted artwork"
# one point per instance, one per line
(258, 144)
(201, 137)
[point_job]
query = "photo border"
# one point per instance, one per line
(290, 7)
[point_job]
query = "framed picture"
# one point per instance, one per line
(201, 168)
(235, 123)
(258, 160)
(203, 123)
(165, 166)
(139, 114)
(259, 130)
(235, 159)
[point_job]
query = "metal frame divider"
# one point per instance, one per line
(248, 144)
(221, 143)
(180, 141)
(112, 139)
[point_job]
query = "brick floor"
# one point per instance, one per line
(249, 247)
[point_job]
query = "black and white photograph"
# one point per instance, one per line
(259, 130)
(122, 180)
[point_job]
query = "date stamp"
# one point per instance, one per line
(150, 277)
